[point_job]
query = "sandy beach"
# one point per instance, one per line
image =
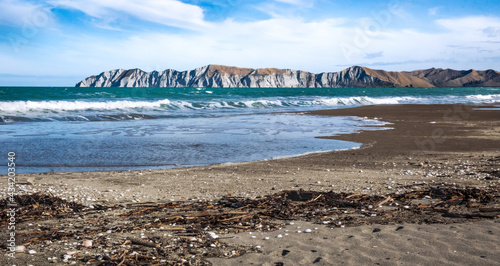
(402, 244)
(428, 146)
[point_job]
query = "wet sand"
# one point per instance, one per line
(428, 144)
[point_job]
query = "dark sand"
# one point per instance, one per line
(422, 129)
(428, 144)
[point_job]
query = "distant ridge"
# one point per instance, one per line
(355, 76)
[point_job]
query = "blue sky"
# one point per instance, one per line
(60, 42)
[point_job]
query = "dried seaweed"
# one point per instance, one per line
(36, 206)
(191, 226)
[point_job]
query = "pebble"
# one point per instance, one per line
(278, 236)
(212, 235)
(31, 252)
(87, 243)
(20, 248)
(307, 231)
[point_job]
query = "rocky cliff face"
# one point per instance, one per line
(224, 76)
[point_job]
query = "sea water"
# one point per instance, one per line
(90, 129)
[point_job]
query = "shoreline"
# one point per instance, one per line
(429, 146)
(478, 134)
(359, 111)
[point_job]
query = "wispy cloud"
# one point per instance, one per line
(167, 12)
(470, 24)
(492, 31)
(20, 13)
(301, 3)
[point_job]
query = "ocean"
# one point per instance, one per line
(69, 129)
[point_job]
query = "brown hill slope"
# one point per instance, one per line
(458, 78)
(399, 79)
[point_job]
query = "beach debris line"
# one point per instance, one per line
(38, 206)
(186, 233)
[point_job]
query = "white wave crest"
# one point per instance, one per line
(335, 101)
(24, 107)
(31, 106)
(489, 98)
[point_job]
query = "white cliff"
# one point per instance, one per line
(224, 76)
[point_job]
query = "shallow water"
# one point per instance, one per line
(166, 143)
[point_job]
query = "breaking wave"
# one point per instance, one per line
(57, 106)
(111, 110)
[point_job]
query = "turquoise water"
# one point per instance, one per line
(88, 129)
(24, 104)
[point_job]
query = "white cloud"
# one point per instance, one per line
(481, 33)
(167, 12)
(280, 42)
(286, 43)
(23, 14)
(469, 25)
(311, 45)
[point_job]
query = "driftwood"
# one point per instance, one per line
(384, 201)
(141, 242)
(188, 224)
